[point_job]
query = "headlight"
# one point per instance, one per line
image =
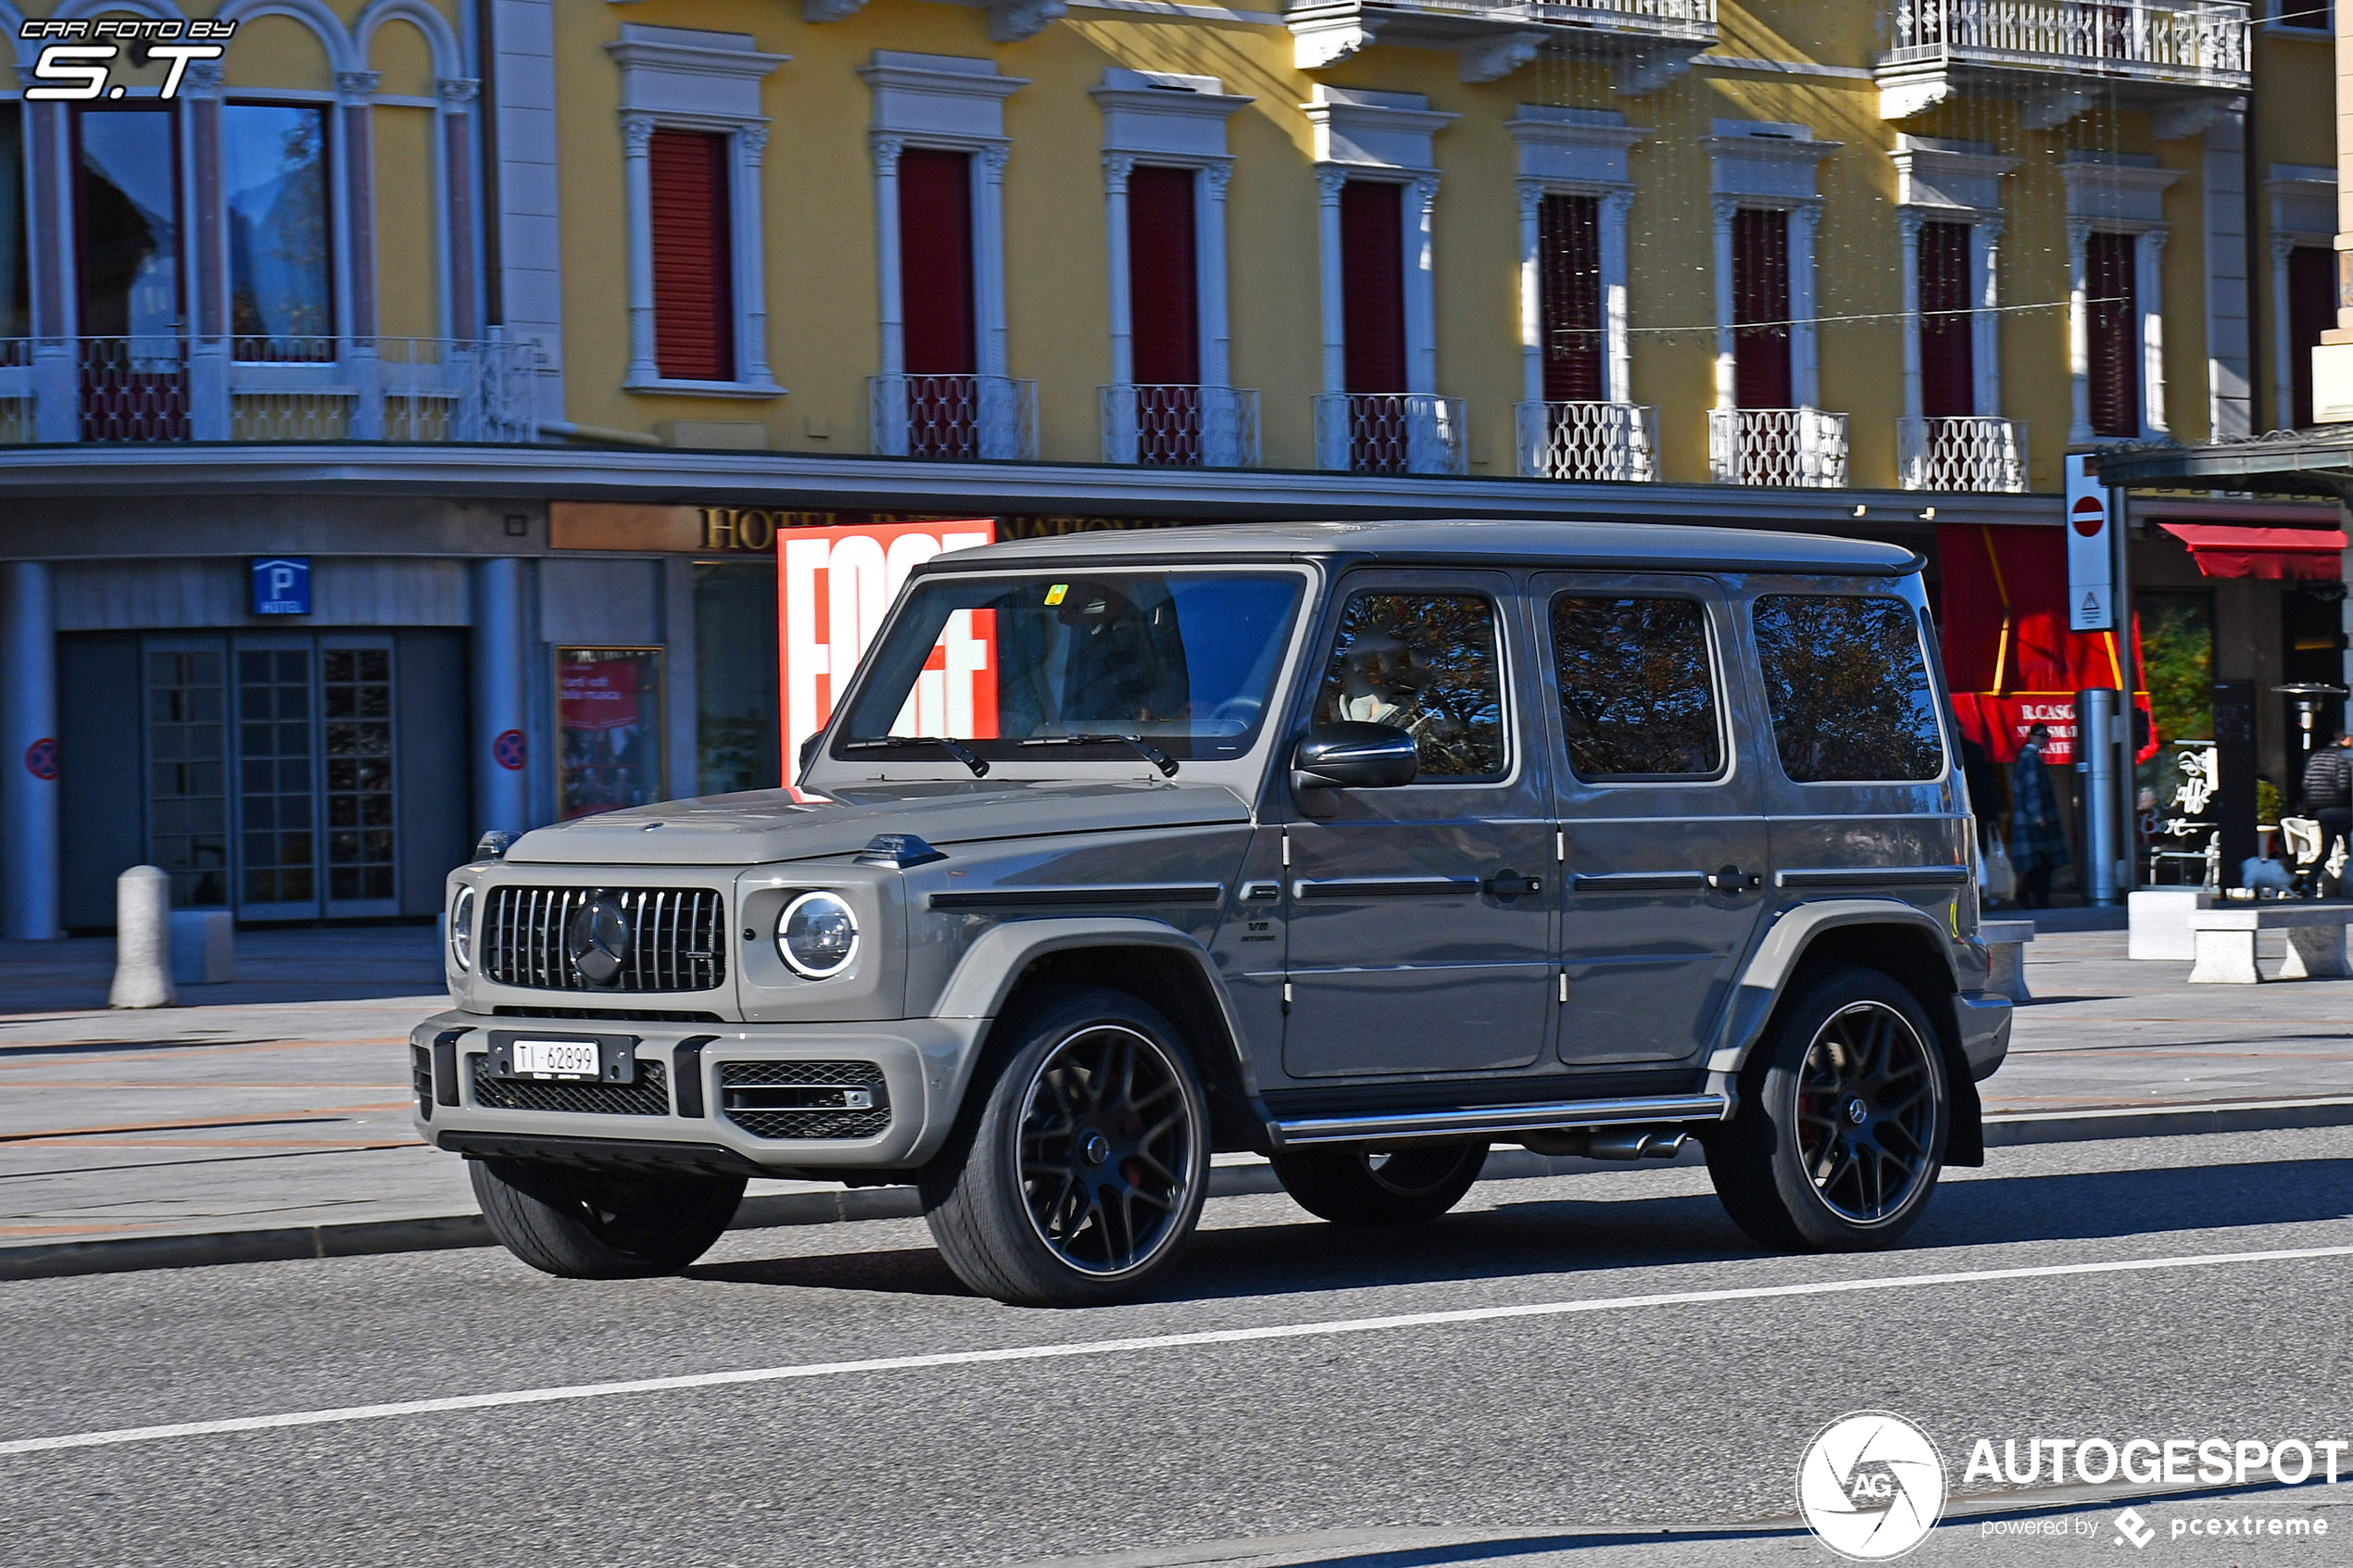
(817, 935)
(462, 929)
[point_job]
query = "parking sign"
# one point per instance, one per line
(282, 586)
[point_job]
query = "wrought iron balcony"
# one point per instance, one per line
(954, 415)
(1646, 43)
(1588, 441)
(1394, 432)
(171, 387)
(1183, 427)
(1963, 454)
(1800, 447)
(2182, 59)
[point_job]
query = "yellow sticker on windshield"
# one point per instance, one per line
(1055, 594)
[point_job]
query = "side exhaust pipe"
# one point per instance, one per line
(1607, 1143)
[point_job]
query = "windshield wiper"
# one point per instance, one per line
(1144, 748)
(955, 748)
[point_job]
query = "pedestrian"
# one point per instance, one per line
(2038, 847)
(2328, 799)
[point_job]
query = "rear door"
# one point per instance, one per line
(1663, 836)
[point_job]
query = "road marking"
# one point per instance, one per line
(1152, 1342)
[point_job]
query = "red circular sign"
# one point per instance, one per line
(41, 759)
(510, 750)
(2089, 516)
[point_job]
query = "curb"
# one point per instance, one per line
(441, 1232)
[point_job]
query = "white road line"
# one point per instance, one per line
(1151, 1342)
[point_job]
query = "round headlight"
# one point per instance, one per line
(817, 935)
(462, 929)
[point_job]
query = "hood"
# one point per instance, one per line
(764, 825)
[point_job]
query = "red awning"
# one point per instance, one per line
(2227, 550)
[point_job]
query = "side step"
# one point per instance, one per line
(1401, 1126)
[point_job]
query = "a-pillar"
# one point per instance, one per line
(500, 740)
(28, 762)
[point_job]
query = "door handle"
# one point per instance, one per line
(1509, 884)
(1731, 879)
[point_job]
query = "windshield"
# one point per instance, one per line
(1185, 661)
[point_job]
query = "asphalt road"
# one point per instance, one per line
(1549, 1377)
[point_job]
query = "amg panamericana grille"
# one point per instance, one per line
(677, 938)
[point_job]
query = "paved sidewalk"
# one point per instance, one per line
(280, 1100)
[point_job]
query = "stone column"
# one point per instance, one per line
(637, 214)
(29, 760)
(457, 94)
(501, 738)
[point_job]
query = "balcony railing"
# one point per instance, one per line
(2191, 42)
(1690, 19)
(1980, 454)
(1184, 427)
(954, 415)
(1802, 447)
(1646, 43)
(1588, 441)
(168, 387)
(1395, 433)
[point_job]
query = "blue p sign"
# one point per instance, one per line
(282, 586)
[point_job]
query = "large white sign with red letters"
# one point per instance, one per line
(834, 585)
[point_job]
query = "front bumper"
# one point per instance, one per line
(923, 1064)
(1983, 1018)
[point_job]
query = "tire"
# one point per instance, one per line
(580, 1224)
(1350, 1184)
(1844, 1110)
(1079, 1176)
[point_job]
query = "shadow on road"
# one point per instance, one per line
(1570, 1235)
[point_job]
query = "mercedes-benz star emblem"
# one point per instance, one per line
(597, 939)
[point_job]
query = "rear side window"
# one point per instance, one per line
(1429, 664)
(1638, 694)
(1848, 688)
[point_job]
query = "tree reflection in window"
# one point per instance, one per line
(1638, 699)
(1848, 689)
(1428, 664)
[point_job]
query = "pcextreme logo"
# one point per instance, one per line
(1871, 1485)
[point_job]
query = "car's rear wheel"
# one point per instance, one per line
(1079, 1179)
(602, 1225)
(1845, 1109)
(1353, 1185)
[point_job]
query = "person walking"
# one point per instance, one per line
(2038, 844)
(2328, 799)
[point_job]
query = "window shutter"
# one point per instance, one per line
(2109, 282)
(1761, 377)
(1569, 297)
(2312, 310)
(1948, 353)
(936, 261)
(1162, 293)
(1372, 271)
(694, 281)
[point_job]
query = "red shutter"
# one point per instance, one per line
(2109, 284)
(1163, 294)
(1948, 356)
(694, 275)
(936, 261)
(2312, 310)
(1760, 309)
(1372, 274)
(1569, 297)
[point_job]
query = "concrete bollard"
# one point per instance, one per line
(143, 940)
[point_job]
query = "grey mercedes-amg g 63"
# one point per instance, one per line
(1359, 846)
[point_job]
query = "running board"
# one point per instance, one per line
(1398, 1126)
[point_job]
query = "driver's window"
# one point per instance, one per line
(1430, 665)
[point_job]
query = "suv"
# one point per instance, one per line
(1360, 846)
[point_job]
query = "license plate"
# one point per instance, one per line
(556, 1059)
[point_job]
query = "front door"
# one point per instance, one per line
(1420, 917)
(1661, 814)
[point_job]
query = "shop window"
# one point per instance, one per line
(273, 159)
(737, 745)
(609, 730)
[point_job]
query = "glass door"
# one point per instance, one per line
(277, 778)
(355, 733)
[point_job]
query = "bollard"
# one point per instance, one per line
(143, 940)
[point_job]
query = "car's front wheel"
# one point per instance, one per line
(1081, 1177)
(1840, 1134)
(602, 1225)
(1350, 1184)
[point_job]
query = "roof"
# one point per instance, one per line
(2307, 462)
(1642, 545)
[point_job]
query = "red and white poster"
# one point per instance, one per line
(834, 585)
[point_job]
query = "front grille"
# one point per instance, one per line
(421, 1078)
(802, 1099)
(650, 1096)
(677, 938)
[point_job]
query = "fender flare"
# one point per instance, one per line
(1767, 976)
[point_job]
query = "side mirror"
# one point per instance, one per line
(1354, 755)
(808, 751)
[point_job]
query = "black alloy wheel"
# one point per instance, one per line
(1867, 1112)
